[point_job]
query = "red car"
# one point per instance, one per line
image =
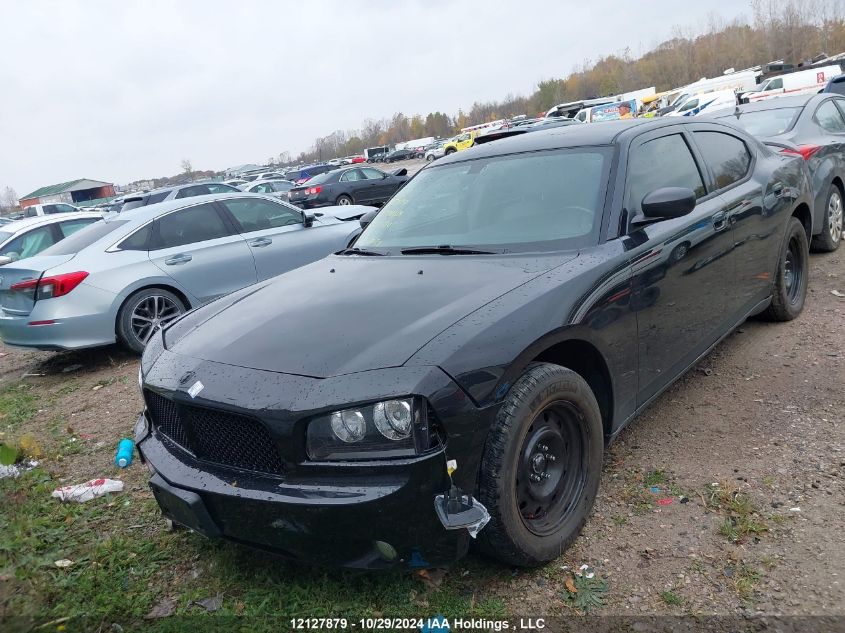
(358, 159)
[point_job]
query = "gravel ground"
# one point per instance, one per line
(726, 496)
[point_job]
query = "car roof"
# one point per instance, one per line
(28, 223)
(140, 215)
(797, 101)
(600, 133)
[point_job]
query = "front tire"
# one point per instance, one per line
(144, 313)
(790, 285)
(541, 466)
(429, 158)
(831, 236)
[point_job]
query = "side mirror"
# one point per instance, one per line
(5, 260)
(668, 202)
(365, 219)
(308, 218)
(401, 172)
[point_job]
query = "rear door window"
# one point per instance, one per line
(219, 187)
(199, 223)
(830, 118)
(727, 156)
(352, 175)
(256, 214)
(70, 227)
(662, 162)
(194, 190)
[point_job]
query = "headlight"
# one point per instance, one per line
(382, 430)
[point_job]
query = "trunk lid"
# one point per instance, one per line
(19, 302)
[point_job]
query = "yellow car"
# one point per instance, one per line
(457, 143)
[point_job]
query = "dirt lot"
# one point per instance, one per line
(727, 496)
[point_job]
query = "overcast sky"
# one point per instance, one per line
(120, 91)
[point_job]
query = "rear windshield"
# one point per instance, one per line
(765, 122)
(83, 238)
(547, 200)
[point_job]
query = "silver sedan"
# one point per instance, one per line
(131, 274)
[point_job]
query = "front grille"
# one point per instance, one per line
(219, 437)
(166, 418)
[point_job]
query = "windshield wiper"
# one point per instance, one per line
(358, 251)
(443, 249)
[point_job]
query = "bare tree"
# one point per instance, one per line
(188, 168)
(10, 199)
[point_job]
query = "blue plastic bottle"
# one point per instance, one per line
(123, 457)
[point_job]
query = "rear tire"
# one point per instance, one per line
(831, 236)
(343, 200)
(541, 466)
(791, 276)
(429, 158)
(144, 313)
(451, 150)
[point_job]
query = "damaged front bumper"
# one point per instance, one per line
(369, 514)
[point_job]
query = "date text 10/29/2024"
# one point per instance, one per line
(425, 625)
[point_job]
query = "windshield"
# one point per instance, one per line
(765, 122)
(536, 201)
(5, 235)
(83, 238)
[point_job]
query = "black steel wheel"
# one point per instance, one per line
(789, 289)
(550, 475)
(541, 466)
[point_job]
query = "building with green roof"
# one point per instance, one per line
(75, 191)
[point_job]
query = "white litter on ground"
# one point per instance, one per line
(89, 490)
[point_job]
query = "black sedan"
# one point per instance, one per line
(400, 154)
(813, 127)
(458, 371)
(355, 185)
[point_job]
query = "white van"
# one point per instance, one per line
(705, 102)
(802, 82)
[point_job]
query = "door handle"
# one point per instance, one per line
(720, 220)
(178, 259)
(258, 242)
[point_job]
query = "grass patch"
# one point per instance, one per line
(671, 598)
(124, 562)
(742, 517)
(654, 478)
(17, 405)
(584, 591)
(745, 578)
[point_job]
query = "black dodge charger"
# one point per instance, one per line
(458, 372)
(356, 185)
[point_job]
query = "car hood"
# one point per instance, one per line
(346, 314)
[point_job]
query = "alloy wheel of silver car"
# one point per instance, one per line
(152, 313)
(834, 216)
